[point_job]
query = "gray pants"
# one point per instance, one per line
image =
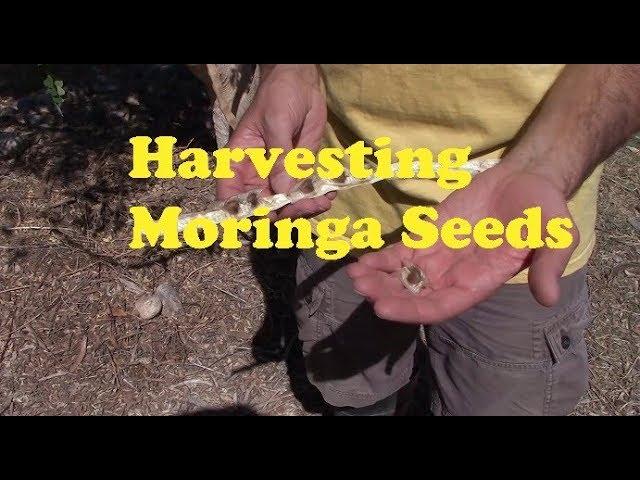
(506, 356)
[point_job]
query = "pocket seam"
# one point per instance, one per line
(570, 319)
(541, 365)
(318, 291)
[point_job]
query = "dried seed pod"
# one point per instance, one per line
(171, 304)
(148, 306)
(413, 278)
(310, 188)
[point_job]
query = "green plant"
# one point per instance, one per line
(54, 88)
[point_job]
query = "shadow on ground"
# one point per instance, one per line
(82, 160)
(234, 411)
(85, 154)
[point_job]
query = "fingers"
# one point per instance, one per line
(391, 301)
(229, 187)
(246, 135)
(278, 133)
(313, 126)
(433, 307)
(357, 269)
(280, 119)
(378, 285)
(547, 267)
(376, 274)
(305, 208)
(452, 286)
(389, 259)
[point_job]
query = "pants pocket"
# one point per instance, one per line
(570, 367)
(309, 296)
(471, 384)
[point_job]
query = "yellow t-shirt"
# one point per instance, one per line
(438, 106)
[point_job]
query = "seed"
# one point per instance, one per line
(306, 186)
(412, 278)
(414, 275)
(232, 206)
(253, 199)
(148, 306)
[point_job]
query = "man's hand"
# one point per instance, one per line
(458, 279)
(587, 114)
(289, 111)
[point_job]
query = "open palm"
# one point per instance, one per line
(458, 279)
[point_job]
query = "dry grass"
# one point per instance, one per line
(70, 342)
(614, 273)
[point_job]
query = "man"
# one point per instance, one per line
(495, 345)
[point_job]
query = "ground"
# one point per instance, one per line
(70, 342)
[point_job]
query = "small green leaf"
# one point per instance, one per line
(49, 82)
(55, 90)
(59, 89)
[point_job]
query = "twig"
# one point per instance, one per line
(229, 293)
(17, 329)
(5, 347)
(65, 275)
(36, 228)
(628, 189)
(25, 247)
(82, 352)
(55, 375)
(271, 399)
(15, 289)
(7, 404)
(196, 270)
(201, 366)
(633, 366)
(227, 355)
(621, 267)
(194, 381)
(61, 203)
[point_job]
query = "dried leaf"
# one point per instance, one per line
(117, 311)
(131, 286)
(82, 352)
(171, 304)
(632, 272)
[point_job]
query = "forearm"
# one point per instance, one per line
(308, 72)
(587, 114)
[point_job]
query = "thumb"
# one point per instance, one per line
(546, 269)
(279, 134)
(246, 135)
